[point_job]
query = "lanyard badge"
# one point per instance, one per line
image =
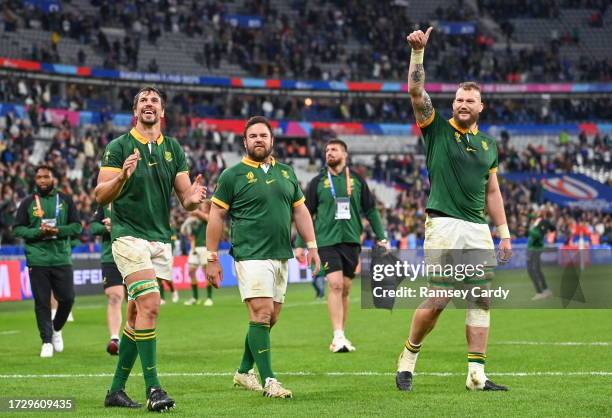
(51, 222)
(343, 204)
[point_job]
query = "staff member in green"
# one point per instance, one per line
(198, 256)
(111, 278)
(46, 220)
(535, 245)
(261, 196)
(337, 198)
(462, 166)
(139, 172)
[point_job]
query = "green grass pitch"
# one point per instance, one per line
(199, 349)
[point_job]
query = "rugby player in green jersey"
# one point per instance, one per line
(139, 172)
(198, 256)
(535, 246)
(462, 166)
(338, 197)
(261, 196)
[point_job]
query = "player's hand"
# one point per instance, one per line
(505, 251)
(129, 165)
(48, 231)
(107, 224)
(214, 273)
(299, 254)
(197, 192)
(418, 39)
(313, 257)
(44, 229)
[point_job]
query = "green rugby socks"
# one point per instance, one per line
(259, 343)
(128, 351)
(147, 348)
(247, 358)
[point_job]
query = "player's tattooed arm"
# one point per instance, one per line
(427, 107)
(421, 102)
(417, 75)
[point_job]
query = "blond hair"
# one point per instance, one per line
(470, 85)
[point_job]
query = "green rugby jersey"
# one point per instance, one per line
(199, 233)
(537, 233)
(260, 206)
(322, 206)
(142, 209)
(459, 163)
(96, 227)
(32, 211)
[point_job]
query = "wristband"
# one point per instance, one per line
(417, 56)
(212, 256)
(311, 244)
(503, 231)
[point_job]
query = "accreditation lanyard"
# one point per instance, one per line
(343, 204)
(349, 188)
(39, 208)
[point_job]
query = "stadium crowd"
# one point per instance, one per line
(303, 45)
(342, 109)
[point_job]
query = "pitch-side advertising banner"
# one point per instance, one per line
(87, 276)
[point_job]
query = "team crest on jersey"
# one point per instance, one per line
(485, 146)
(457, 137)
(326, 183)
(136, 151)
(168, 156)
(251, 177)
(285, 174)
(37, 213)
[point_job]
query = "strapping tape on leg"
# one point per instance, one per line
(142, 287)
(478, 318)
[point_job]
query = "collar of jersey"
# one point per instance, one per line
(140, 137)
(460, 129)
(255, 164)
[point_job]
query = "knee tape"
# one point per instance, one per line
(142, 287)
(478, 318)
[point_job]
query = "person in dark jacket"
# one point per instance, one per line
(46, 220)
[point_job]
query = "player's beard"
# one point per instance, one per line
(43, 191)
(465, 124)
(259, 154)
(334, 163)
(148, 122)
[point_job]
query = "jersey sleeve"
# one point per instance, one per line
(224, 192)
(298, 196)
(112, 159)
(181, 160)
(495, 163)
(430, 126)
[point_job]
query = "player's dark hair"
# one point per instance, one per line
(44, 167)
(255, 120)
(150, 89)
(337, 142)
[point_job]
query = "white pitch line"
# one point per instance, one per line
(558, 343)
(298, 373)
(13, 331)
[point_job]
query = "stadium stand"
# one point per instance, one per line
(322, 41)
